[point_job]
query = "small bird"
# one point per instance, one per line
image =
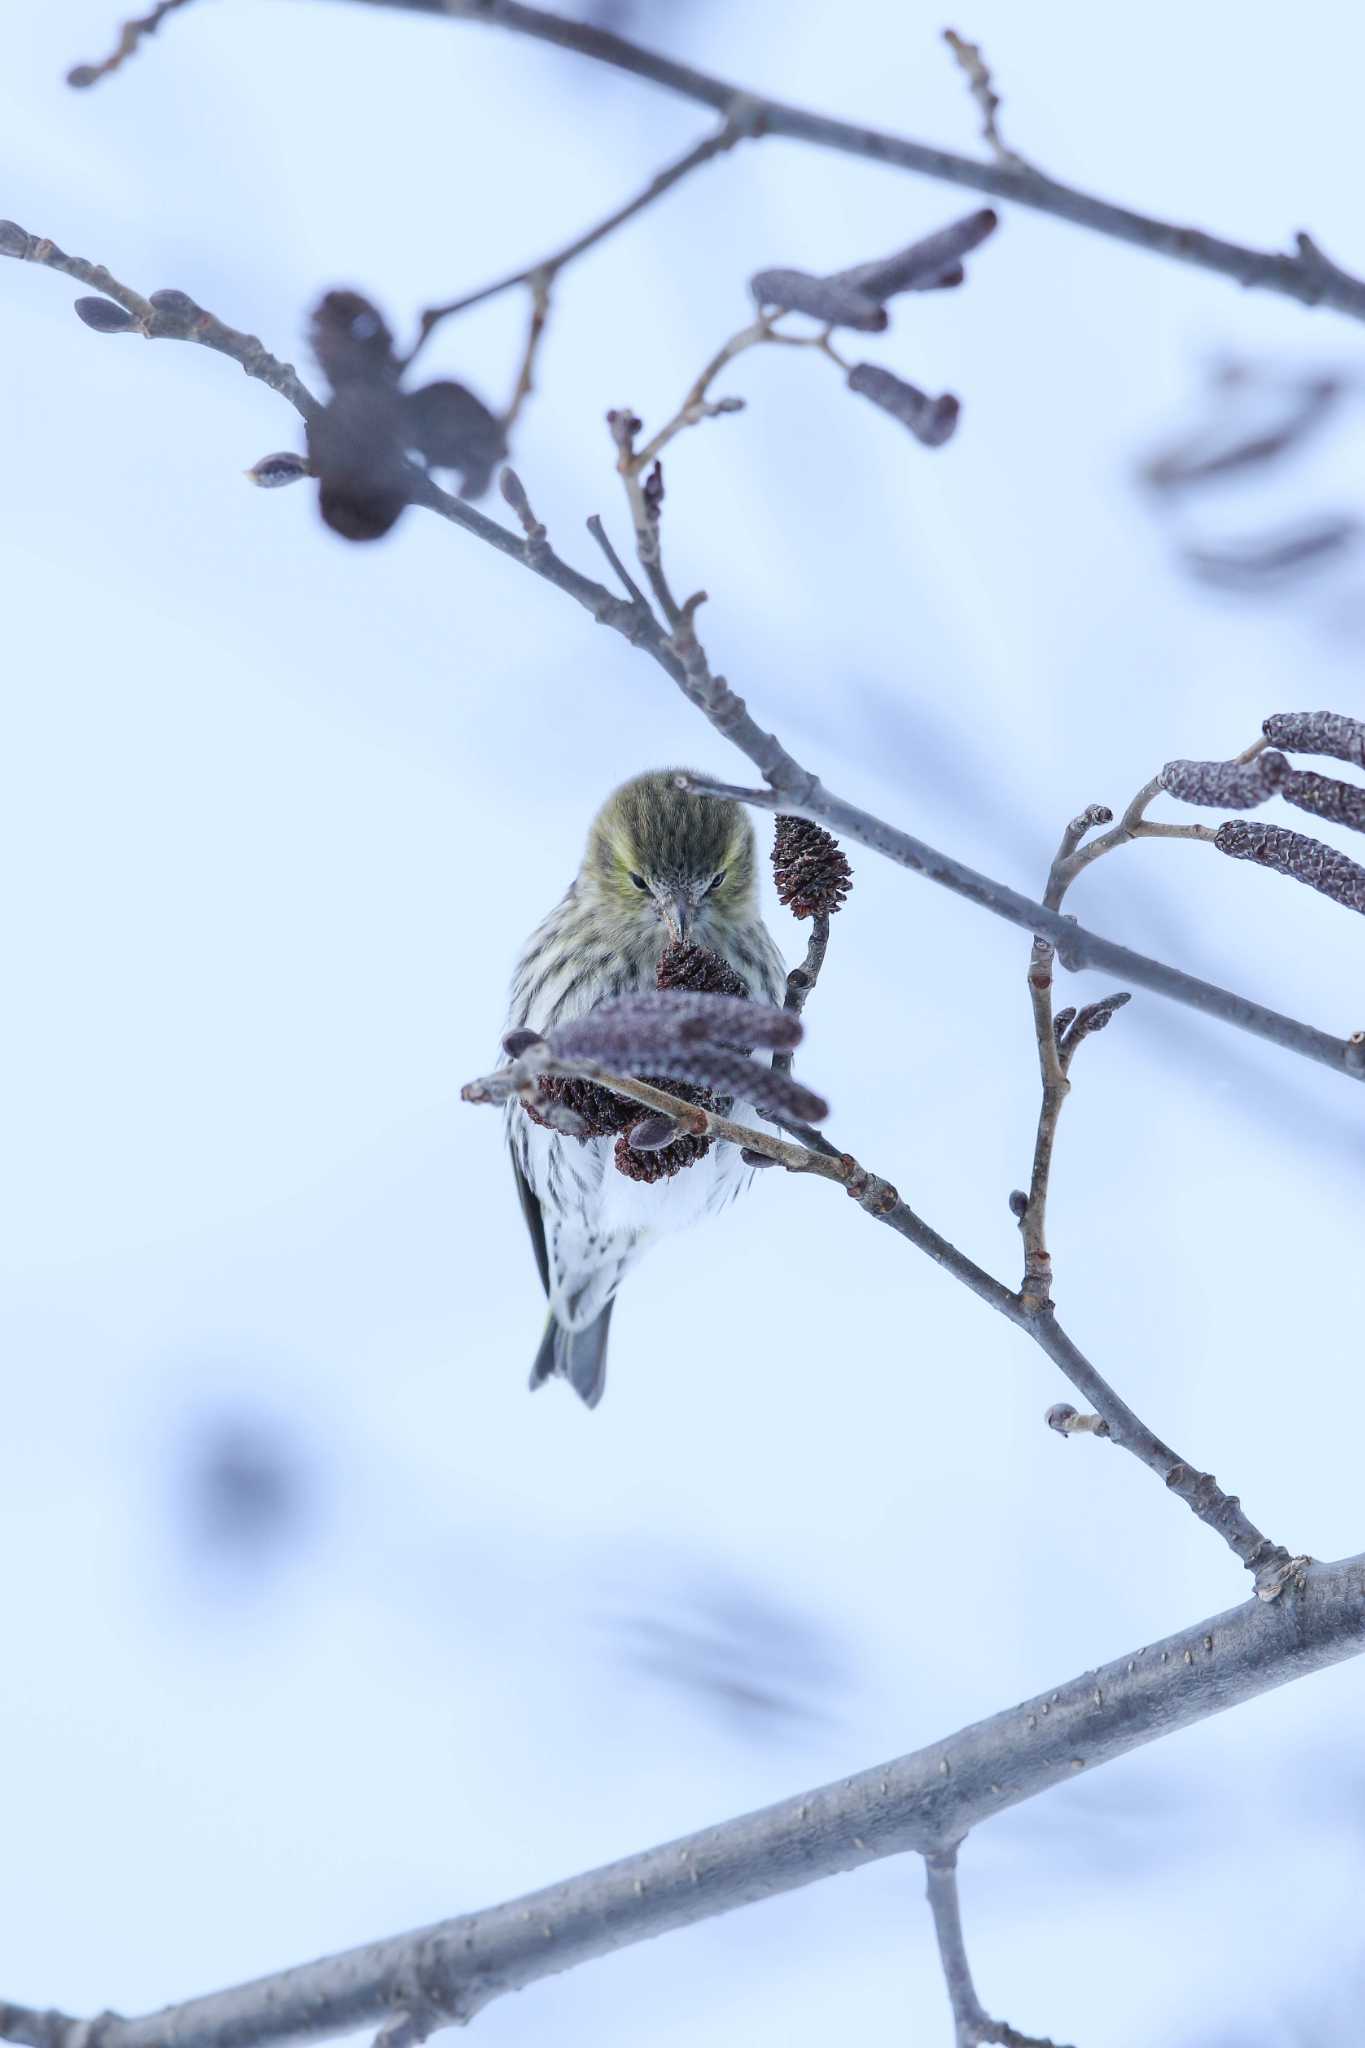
(659, 867)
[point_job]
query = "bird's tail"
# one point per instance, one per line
(578, 1356)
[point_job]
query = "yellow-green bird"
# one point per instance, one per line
(659, 866)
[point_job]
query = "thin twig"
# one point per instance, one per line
(973, 2026)
(166, 316)
(802, 979)
(644, 500)
(1059, 1036)
(972, 63)
(639, 467)
(1036, 1290)
(540, 276)
(633, 590)
(1073, 857)
(535, 330)
(522, 1079)
(695, 405)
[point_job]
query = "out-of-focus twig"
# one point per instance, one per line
(972, 63)
(165, 316)
(540, 277)
(731, 131)
(130, 36)
(1270, 559)
(1209, 455)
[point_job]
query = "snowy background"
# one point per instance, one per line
(319, 1627)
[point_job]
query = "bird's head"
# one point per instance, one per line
(660, 860)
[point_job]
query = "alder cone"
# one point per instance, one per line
(810, 870)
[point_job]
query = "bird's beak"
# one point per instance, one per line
(678, 913)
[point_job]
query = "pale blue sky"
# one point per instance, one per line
(276, 813)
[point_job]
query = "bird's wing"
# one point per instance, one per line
(535, 1222)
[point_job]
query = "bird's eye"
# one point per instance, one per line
(639, 881)
(711, 890)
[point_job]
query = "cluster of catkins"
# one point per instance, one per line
(681, 966)
(812, 878)
(1244, 784)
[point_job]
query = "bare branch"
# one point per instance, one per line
(972, 63)
(922, 1802)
